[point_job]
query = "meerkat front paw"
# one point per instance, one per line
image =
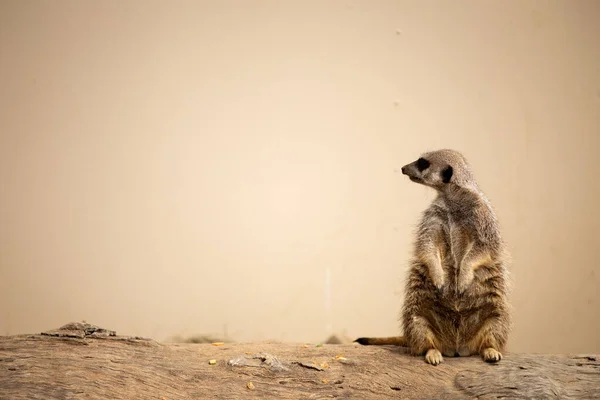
(436, 274)
(491, 355)
(465, 279)
(438, 280)
(434, 357)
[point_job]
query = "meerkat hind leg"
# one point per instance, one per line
(425, 342)
(485, 342)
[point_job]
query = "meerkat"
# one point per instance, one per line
(456, 293)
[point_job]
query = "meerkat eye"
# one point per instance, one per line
(422, 164)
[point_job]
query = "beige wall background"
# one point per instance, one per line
(183, 167)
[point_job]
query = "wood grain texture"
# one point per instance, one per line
(84, 363)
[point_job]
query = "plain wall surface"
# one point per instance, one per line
(184, 167)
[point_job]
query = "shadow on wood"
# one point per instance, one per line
(81, 360)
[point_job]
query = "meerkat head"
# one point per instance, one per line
(440, 169)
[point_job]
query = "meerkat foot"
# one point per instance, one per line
(491, 355)
(434, 357)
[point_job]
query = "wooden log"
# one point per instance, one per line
(84, 361)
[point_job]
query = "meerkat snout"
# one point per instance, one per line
(416, 167)
(415, 170)
(408, 170)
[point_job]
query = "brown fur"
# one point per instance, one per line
(456, 290)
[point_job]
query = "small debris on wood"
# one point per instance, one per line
(264, 360)
(80, 330)
(345, 361)
(212, 362)
(311, 366)
(250, 386)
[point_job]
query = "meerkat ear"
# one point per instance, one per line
(447, 174)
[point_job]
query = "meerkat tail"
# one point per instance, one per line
(382, 341)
